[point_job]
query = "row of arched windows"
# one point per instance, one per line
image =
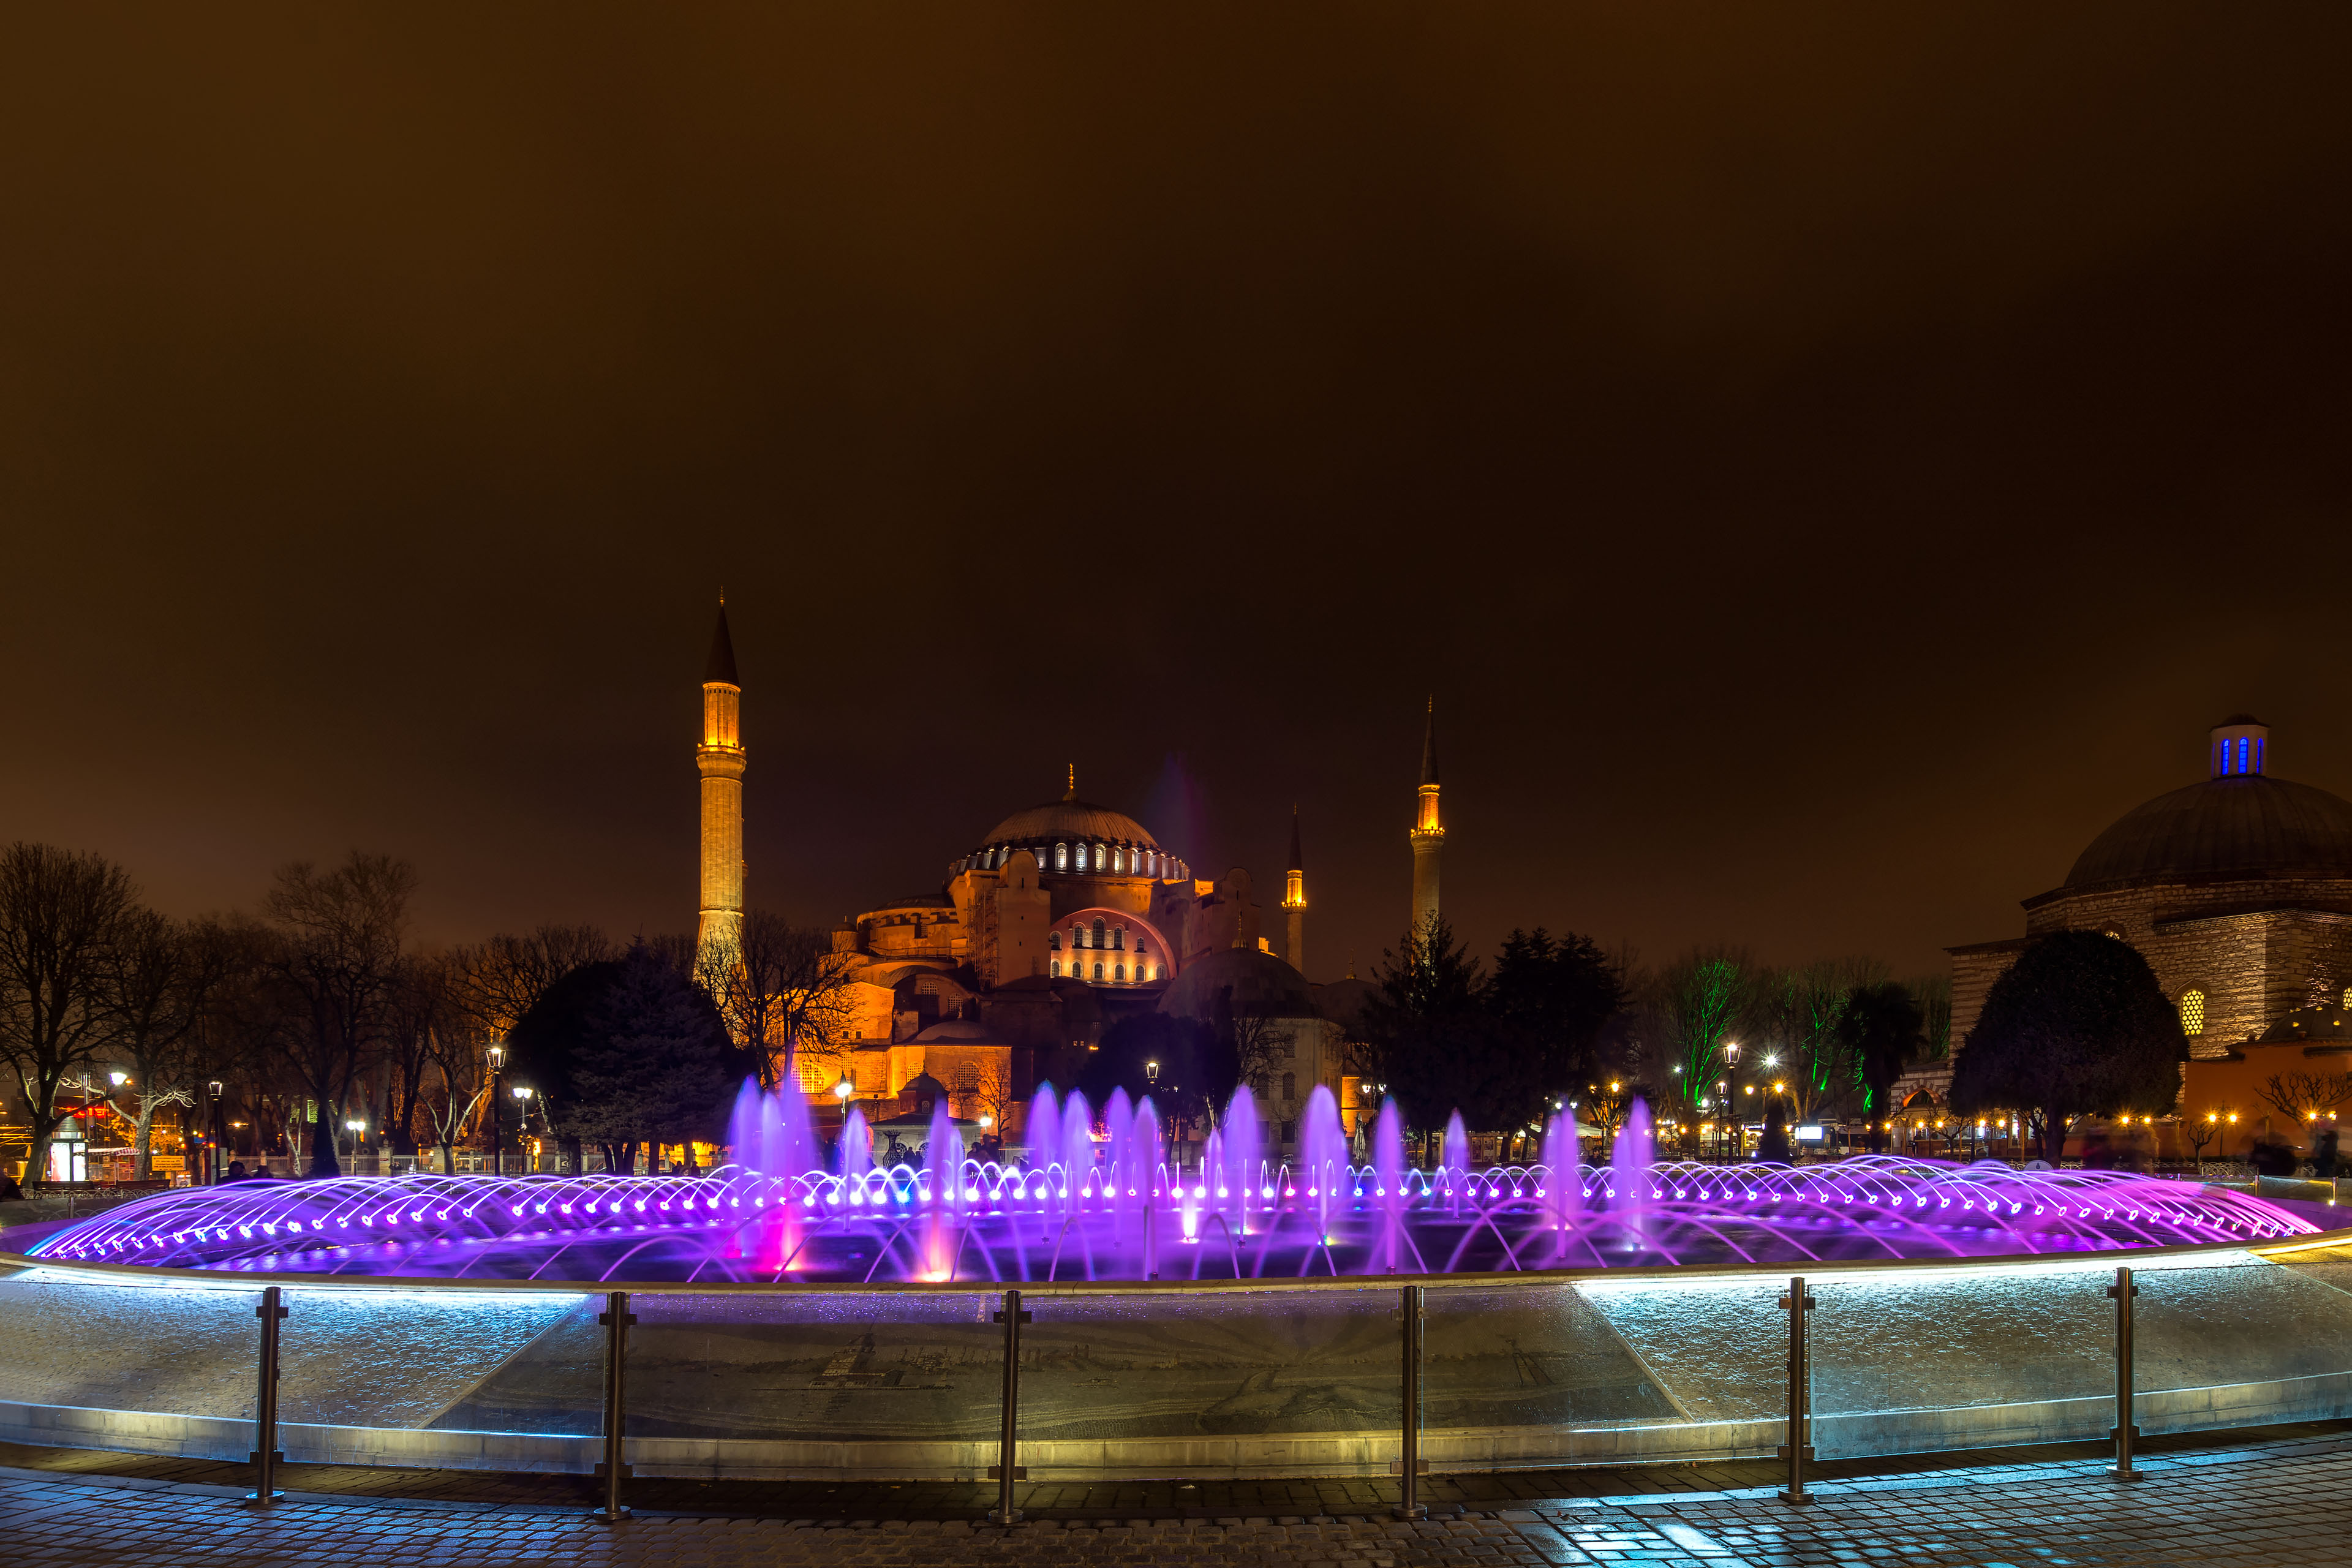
(1118, 975)
(1093, 859)
(1114, 938)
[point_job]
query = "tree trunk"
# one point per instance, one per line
(145, 1160)
(323, 1162)
(2054, 1136)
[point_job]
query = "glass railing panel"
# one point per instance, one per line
(1229, 1382)
(1599, 1371)
(1960, 1356)
(877, 1384)
(2235, 1341)
(94, 1361)
(441, 1375)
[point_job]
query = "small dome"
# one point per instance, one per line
(1263, 987)
(2240, 825)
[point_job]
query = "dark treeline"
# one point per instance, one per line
(320, 1008)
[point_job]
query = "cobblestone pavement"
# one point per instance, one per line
(2281, 1502)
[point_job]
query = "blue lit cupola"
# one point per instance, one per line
(2239, 742)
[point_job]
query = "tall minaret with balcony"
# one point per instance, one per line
(1428, 833)
(1294, 899)
(720, 759)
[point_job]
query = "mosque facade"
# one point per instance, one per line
(1050, 927)
(2238, 892)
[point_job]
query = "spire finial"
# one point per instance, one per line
(1429, 746)
(1073, 794)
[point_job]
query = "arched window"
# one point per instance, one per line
(1097, 972)
(1053, 941)
(1098, 933)
(1118, 940)
(1079, 864)
(1157, 972)
(1098, 856)
(1056, 966)
(1118, 972)
(2192, 1012)
(1061, 856)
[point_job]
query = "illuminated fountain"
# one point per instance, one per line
(1100, 1199)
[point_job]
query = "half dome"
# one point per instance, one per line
(1263, 986)
(2242, 825)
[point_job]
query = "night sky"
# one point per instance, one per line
(1825, 463)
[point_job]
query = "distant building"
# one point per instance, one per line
(2238, 892)
(1062, 919)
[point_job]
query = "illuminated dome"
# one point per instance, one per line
(1071, 835)
(1069, 821)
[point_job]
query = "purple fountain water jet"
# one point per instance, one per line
(1076, 1217)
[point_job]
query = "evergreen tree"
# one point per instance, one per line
(2077, 1026)
(634, 1052)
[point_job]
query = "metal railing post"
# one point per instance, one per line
(1798, 1448)
(1006, 1471)
(265, 1457)
(617, 1319)
(1409, 1504)
(2121, 1292)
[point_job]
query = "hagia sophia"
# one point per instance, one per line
(1052, 926)
(2238, 891)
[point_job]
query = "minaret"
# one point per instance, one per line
(1294, 899)
(720, 759)
(1428, 833)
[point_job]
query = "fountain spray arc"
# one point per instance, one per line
(1092, 1204)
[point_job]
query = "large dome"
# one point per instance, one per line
(1072, 836)
(1070, 821)
(2242, 825)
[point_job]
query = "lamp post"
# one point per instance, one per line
(1731, 1057)
(358, 1130)
(522, 1114)
(497, 1056)
(212, 1108)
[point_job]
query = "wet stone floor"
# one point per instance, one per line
(2279, 1496)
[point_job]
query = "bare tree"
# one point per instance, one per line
(333, 973)
(2307, 1098)
(60, 916)
(781, 989)
(1261, 1048)
(163, 976)
(454, 1090)
(499, 982)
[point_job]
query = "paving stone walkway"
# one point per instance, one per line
(2283, 1501)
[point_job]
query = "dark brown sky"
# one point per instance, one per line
(1827, 463)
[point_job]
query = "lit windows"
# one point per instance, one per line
(1097, 972)
(2192, 1012)
(1055, 964)
(1118, 973)
(1053, 941)
(1118, 940)
(1080, 863)
(1061, 856)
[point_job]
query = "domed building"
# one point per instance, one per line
(1058, 920)
(2238, 891)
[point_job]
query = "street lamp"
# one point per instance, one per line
(522, 1112)
(495, 1054)
(844, 1088)
(213, 1088)
(1731, 1056)
(1151, 1072)
(118, 1079)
